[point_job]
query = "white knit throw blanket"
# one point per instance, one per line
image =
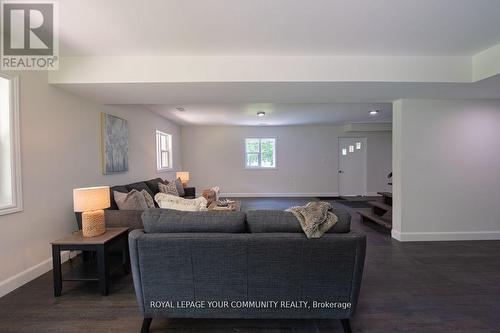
(315, 218)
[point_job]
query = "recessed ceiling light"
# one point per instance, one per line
(261, 114)
(181, 109)
(374, 112)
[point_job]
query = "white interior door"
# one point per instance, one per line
(352, 166)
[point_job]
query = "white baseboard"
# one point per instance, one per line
(285, 195)
(444, 236)
(276, 195)
(396, 235)
(20, 279)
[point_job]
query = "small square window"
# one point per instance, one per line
(358, 145)
(351, 149)
(260, 153)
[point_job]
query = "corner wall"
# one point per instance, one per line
(60, 150)
(307, 160)
(446, 170)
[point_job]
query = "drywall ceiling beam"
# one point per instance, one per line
(486, 63)
(166, 69)
(368, 127)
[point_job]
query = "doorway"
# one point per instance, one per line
(352, 166)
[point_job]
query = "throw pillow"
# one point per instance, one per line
(210, 195)
(169, 188)
(216, 189)
(153, 185)
(180, 188)
(149, 199)
(169, 201)
(119, 188)
(133, 200)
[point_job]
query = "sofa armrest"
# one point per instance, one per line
(118, 218)
(123, 218)
(78, 217)
(358, 269)
(189, 192)
(133, 237)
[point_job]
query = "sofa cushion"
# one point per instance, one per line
(153, 185)
(119, 188)
(158, 220)
(139, 186)
(261, 221)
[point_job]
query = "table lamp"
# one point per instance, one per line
(184, 177)
(91, 201)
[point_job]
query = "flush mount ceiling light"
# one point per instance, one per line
(374, 112)
(180, 109)
(261, 114)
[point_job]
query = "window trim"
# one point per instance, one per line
(15, 154)
(275, 167)
(170, 167)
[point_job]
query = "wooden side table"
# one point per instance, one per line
(89, 271)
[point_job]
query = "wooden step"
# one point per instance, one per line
(380, 208)
(353, 198)
(375, 219)
(387, 197)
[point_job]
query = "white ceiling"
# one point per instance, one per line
(226, 93)
(245, 114)
(278, 27)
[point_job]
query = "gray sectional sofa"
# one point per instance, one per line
(256, 265)
(132, 218)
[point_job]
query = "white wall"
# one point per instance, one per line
(446, 169)
(60, 151)
(307, 160)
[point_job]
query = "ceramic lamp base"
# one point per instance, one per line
(93, 223)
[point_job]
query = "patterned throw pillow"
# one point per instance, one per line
(169, 188)
(149, 199)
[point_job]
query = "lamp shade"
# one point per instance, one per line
(91, 198)
(183, 175)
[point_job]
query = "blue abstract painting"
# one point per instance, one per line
(114, 144)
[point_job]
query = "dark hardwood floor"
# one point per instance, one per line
(407, 287)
